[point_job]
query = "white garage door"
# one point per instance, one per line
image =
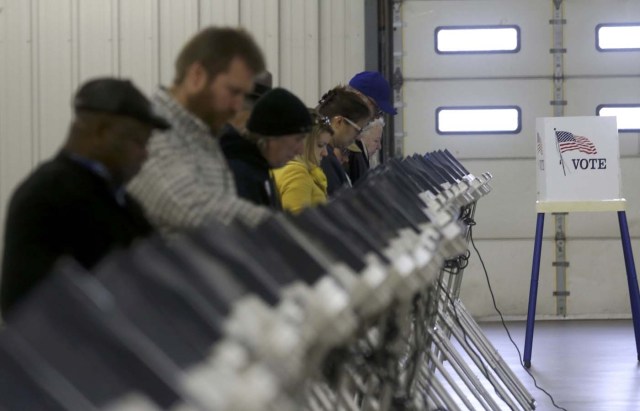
(524, 80)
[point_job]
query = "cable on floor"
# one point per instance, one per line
(472, 223)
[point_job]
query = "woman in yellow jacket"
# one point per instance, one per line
(301, 182)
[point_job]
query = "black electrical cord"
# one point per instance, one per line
(455, 265)
(471, 223)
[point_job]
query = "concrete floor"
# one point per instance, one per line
(585, 365)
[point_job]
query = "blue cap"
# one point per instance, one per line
(376, 87)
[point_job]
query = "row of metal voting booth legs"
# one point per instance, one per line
(349, 306)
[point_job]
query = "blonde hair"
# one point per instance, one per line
(321, 125)
(308, 157)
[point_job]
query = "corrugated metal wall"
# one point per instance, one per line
(49, 47)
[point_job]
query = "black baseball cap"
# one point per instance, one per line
(117, 96)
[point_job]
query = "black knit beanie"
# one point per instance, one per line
(279, 113)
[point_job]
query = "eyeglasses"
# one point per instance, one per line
(354, 125)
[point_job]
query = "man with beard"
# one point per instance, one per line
(186, 180)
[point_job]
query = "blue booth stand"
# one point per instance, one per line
(632, 280)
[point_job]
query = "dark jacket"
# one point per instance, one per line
(251, 170)
(358, 161)
(336, 175)
(63, 209)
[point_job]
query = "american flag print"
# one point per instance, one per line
(568, 141)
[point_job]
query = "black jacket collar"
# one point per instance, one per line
(236, 147)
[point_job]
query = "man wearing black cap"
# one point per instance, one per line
(75, 204)
(275, 134)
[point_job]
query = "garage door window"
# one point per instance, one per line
(477, 39)
(479, 120)
(628, 115)
(618, 37)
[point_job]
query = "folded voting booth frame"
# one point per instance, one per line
(578, 171)
(349, 306)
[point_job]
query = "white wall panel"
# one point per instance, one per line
(220, 13)
(178, 23)
(3, 59)
(332, 52)
(54, 75)
(139, 43)
(261, 18)
(16, 98)
(422, 17)
(3, 146)
(341, 41)
(300, 50)
(580, 36)
(95, 40)
(354, 39)
(423, 97)
(115, 24)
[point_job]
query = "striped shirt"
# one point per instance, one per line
(186, 181)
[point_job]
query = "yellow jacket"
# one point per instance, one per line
(299, 186)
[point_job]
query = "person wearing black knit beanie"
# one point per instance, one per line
(275, 134)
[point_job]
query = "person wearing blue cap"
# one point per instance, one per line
(376, 92)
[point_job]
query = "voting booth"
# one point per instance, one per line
(578, 164)
(578, 170)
